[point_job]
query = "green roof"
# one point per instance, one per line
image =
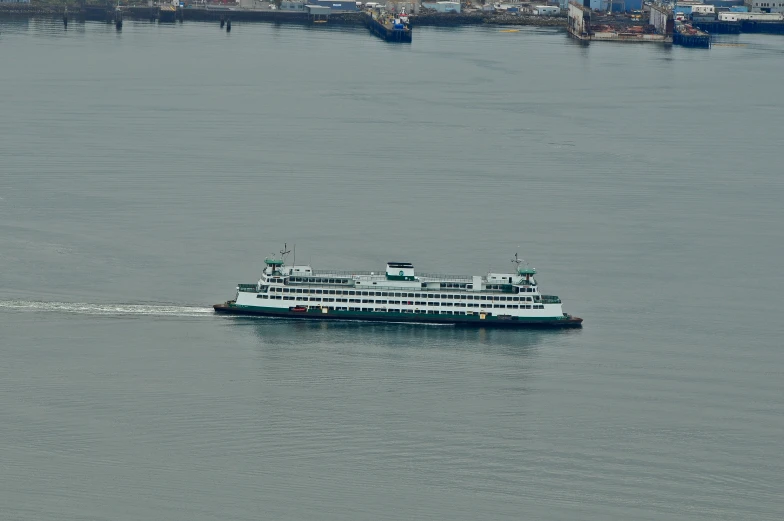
(526, 271)
(274, 262)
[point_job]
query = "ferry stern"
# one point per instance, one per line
(224, 307)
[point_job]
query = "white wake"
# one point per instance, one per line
(82, 308)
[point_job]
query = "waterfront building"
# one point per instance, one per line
(336, 6)
(443, 7)
(616, 5)
(290, 5)
(765, 6)
(751, 17)
(546, 10)
(14, 1)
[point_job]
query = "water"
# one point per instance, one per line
(144, 173)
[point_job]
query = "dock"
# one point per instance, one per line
(754, 26)
(689, 36)
(587, 26)
(167, 14)
(387, 28)
(718, 27)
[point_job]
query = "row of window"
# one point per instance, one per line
(308, 291)
(419, 311)
(319, 280)
(454, 285)
(402, 302)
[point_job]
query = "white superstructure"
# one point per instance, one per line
(400, 290)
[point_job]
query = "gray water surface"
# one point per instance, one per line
(144, 173)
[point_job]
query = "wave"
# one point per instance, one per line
(81, 308)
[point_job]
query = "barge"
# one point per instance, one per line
(389, 28)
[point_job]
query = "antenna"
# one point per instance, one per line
(294, 262)
(285, 250)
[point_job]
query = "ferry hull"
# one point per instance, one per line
(229, 308)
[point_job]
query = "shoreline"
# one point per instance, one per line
(257, 15)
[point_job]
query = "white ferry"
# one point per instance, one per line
(399, 295)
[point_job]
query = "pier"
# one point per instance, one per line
(689, 36)
(754, 26)
(167, 14)
(718, 27)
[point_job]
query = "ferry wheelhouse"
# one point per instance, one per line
(399, 294)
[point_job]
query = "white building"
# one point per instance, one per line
(759, 17)
(289, 5)
(444, 7)
(546, 10)
(703, 9)
(765, 6)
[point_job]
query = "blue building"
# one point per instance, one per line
(617, 5)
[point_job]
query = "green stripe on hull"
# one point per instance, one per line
(400, 277)
(383, 316)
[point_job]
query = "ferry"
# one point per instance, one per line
(399, 294)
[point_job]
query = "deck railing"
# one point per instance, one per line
(438, 276)
(341, 273)
(380, 286)
(446, 278)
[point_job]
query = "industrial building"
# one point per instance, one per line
(546, 10)
(289, 5)
(765, 6)
(616, 5)
(587, 25)
(443, 7)
(752, 17)
(335, 6)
